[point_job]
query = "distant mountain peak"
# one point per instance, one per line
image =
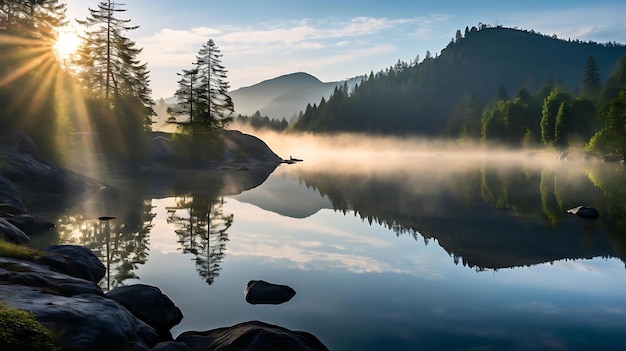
(283, 96)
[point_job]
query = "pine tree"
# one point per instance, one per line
(187, 95)
(120, 103)
(29, 69)
(591, 79)
(217, 106)
(108, 58)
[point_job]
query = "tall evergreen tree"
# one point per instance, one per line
(188, 99)
(120, 105)
(29, 69)
(591, 79)
(108, 58)
(217, 106)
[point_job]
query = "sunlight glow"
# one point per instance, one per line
(66, 45)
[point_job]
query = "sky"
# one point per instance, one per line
(334, 40)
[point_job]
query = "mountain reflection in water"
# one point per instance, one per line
(400, 274)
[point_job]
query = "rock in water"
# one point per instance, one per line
(585, 212)
(150, 305)
(261, 292)
(250, 336)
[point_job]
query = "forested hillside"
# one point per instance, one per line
(467, 76)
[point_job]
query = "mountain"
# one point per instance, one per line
(419, 99)
(284, 96)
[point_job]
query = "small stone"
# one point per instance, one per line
(585, 212)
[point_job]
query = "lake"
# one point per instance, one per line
(394, 247)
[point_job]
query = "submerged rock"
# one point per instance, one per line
(75, 261)
(262, 292)
(585, 212)
(250, 336)
(150, 305)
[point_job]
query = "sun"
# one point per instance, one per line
(66, 45)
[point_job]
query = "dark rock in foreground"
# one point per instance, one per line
(12, 233)
(261, 292)
(585, 212)
(171, 346)
(29, 224)
(150, 305)
(74, 309)
(251, 336)
(75, 261)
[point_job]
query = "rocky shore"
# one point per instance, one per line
(58, 285)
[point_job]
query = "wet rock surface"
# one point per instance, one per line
(75, 261)
(251, 336)
(150, 305)
(261, 292)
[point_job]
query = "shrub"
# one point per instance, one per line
(19, 330)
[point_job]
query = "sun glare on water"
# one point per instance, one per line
(67, 44)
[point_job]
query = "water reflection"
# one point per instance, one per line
(122, 244)
(201, 226)
(487, 216)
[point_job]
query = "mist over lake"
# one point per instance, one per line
(389, 243)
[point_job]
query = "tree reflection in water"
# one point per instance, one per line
(121, 243)
(201, 228)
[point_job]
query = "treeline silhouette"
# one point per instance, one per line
(456, 93)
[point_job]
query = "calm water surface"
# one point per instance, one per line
(430, 254)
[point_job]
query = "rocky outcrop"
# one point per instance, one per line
(12, 233)
(74, 309)
(75, 261)
(250, 336)
(238, 149)
(150, 305)
(135, 317)
(261, 292)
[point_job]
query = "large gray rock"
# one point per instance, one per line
(171, 346)
(262, 292)
(30, 224)
(12, 233)
(75, 310)
(251, 336)
(75, 261)
(10, 203)
(150, 305)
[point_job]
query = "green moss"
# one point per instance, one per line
(19, 252)
(19, 330)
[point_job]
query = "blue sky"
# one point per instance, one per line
(335, 40)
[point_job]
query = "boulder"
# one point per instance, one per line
(250, 336)
(30, 224)
(26, 273)
(262, 292)
(12, 233)
(171, 346)
(585, 212)
(75, 261)
(150, 305)
(75, 310)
